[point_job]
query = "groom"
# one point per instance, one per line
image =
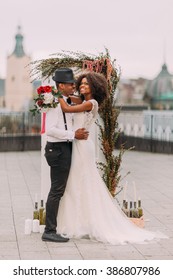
(58, 150)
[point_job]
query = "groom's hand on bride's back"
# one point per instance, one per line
(81, 134)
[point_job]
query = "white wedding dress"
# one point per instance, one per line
(87, 209)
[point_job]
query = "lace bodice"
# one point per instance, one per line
(86, 119)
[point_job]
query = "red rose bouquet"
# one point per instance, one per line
(47, 97)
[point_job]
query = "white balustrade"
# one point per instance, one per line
(148, 124)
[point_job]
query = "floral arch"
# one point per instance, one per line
(109, 131)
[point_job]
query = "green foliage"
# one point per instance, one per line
(45, 68)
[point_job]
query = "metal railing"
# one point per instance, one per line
(150, 130)
(19, 131)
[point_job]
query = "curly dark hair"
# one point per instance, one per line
(97, 83)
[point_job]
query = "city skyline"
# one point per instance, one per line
(138, 35)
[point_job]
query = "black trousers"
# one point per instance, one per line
(58, 156)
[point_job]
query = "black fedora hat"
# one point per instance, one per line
(64, 75)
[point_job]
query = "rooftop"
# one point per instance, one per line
(20, 180)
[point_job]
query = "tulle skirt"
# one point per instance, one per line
(87, 209)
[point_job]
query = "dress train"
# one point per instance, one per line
(87, 209)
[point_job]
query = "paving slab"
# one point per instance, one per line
(20, 180)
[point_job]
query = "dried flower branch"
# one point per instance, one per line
(109, 131)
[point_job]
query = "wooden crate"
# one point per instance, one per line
(138, 221)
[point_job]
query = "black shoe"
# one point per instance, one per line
(53, 237)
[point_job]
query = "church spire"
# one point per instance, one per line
(18, 51)
(164, 52)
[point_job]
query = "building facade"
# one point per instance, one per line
(2, 93)
(131, 91)
(156, 93)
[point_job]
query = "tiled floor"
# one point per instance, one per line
(20, 180)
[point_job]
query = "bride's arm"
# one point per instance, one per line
(86, 106)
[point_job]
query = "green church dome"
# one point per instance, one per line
(160, 90)
(19, 51)
(161, 85)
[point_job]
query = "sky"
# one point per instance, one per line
(137, 33)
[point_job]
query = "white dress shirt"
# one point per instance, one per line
(55, 127)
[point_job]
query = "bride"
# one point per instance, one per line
(87, 209)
